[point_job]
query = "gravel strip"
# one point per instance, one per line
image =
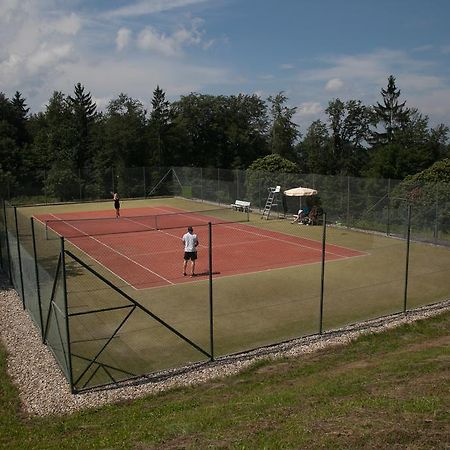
(44, 390)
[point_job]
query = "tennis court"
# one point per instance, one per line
(143, 248)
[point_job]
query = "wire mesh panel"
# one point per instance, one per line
(28, 267)
(367, 285)
(13, 246)
(266, 285)
(132, 311)
(429, 265)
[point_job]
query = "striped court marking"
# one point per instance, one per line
(115, 251)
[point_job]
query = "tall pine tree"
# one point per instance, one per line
(84, 114)
(391, 114)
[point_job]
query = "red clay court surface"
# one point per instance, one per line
(147, 259)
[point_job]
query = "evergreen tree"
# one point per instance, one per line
(159, 124)
(21, 118)
(84, 113)
(391, 114)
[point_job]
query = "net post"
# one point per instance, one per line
(211, 305)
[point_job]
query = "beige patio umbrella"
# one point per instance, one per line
(300, 192)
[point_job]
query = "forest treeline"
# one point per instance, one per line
(386, 140)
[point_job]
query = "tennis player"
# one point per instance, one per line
(190, 241)
(116, 204)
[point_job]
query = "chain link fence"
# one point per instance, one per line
(262, 280)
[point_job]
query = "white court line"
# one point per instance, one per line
(114, 250)
(278, 239)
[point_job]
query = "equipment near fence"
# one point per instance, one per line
(270, 202)
(98, 226)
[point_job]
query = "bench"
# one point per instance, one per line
(241, 205)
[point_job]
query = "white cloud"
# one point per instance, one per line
(170, 45)
(333, 85)
(123, 38)
(309, 109)
(142, 8)
(150, 39)
(48, 56)
(287, 66)
(69, 24)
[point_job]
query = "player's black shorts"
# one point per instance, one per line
(190, 256)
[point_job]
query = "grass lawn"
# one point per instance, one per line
(389, 390)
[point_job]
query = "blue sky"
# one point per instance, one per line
(313, 50)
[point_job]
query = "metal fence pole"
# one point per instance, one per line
(436, 218)
(211, 304)
(8, 251)
(66, 316)
(22, 288)
(201, 183)
(388, 224)
(36, 270)
(322, 273)
(348, 202)
(143, 178)
(1, 252)
(408, 239)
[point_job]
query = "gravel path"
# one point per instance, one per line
(44, 390)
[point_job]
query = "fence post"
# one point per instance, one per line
(436, 218)
(388, 225)
(66, 316)
(322, 274)
(201, 183)
(8, 251)
(36, 270)
(211, 305)
(145, 187)
(19, 257)
(218, 186)
(1, 251)
(408, 239)
(112, 180)
(348, 202)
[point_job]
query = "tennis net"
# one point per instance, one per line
(97, 226)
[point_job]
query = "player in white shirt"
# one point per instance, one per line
(190, 242)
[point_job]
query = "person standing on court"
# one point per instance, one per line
(190, 241)
(116, 204)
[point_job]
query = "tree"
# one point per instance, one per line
(10, 156)
(391, 114)
(270, 171)
(159, 126)
(21, 118)
(84, 113)
(283, 133)
(219, 131)
(314, 153)
(350, 128)
(123, 129)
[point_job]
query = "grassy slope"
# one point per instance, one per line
(383, 391)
